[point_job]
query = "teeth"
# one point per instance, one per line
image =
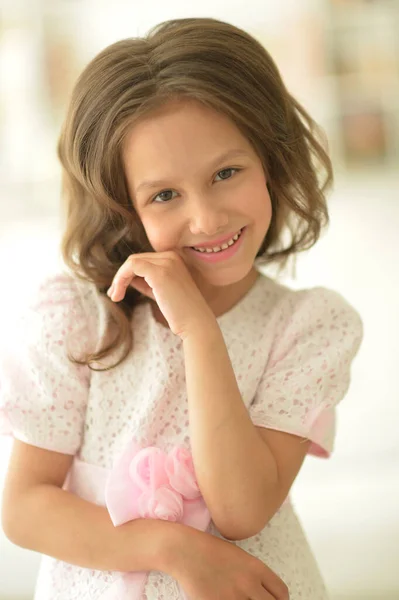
(219, 248)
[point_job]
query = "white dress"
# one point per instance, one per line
(291, 352)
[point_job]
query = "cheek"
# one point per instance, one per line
(259, 204)
(160, 237)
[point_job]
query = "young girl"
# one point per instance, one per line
(163, 392)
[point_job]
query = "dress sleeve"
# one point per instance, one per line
(43, 395)
(308, 371)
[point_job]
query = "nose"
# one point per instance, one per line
(206, 217)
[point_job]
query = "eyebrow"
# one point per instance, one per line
(153, 183)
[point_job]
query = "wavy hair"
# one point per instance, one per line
(214, 63)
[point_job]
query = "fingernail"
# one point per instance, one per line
(110, 290)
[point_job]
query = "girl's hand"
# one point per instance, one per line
(164, 277)
(209, 568)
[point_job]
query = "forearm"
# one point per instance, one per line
(52, 521)
(236, 471)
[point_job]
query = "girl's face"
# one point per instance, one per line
(195, 180)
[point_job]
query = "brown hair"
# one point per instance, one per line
(226, 69)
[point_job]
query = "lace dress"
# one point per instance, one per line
(291, 352)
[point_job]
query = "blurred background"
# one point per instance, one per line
(340, 58)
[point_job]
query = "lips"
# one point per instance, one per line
(217, 243)
(222, 255)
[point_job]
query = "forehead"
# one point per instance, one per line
(180, 135)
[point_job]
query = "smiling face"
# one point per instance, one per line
(195, 180)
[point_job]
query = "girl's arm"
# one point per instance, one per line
(244, 474)
(37, 514)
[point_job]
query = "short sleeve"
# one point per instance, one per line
(43, 395)
(308, 370)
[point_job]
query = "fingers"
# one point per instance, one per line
(133, 267)
(275, 588)
(261, 594)
(137, 265)
(140, 284)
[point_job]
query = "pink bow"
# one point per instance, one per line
(149, 484)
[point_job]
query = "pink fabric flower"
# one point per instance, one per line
(147, 469)
(162, 503)
(147, 483)
(180, 469)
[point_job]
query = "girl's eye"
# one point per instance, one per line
(167, 195)
(226, 173)
(163, 197)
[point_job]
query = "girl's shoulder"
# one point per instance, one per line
(62, 286)
(43, 399)
(63, 305)
(305, 307)
(63, 293)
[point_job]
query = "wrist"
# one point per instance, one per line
(206, 331)
(164, 543)
(144, 545)
(170, 539)
(181, 540)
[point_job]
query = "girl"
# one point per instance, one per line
(163, 394)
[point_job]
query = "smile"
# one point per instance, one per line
(220, 253)
(220, 248)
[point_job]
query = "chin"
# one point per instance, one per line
(224, 277)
